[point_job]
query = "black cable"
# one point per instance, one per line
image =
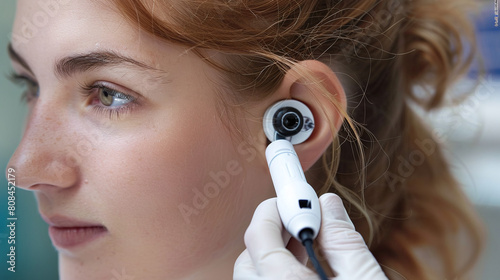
(306, 237)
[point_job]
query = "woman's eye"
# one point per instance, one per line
(112, 98)
(107, 101)
(32, 89)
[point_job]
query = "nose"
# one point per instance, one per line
(41, 160)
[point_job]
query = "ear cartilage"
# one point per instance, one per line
(298, 204)
(288, 119)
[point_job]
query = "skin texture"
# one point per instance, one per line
(172, 185)
(132, 173)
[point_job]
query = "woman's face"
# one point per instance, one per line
(125, 151)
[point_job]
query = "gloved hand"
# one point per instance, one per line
(272, 254)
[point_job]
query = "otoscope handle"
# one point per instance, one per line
(298, 204)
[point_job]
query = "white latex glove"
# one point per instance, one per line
(270, 255)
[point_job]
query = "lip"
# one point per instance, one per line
(69, 233)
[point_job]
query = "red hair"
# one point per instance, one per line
(386, 166)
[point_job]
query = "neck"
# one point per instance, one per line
(220, 266)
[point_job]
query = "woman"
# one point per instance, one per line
(145, 150)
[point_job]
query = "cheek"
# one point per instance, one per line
(171, 190)
(148, 179)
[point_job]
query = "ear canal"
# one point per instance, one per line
(288, 119)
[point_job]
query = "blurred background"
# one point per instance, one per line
(36, 258)
(472, 130)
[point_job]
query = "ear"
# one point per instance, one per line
(316, 85)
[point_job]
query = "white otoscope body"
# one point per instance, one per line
(298, 204)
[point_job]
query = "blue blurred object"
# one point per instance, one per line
(488, 38)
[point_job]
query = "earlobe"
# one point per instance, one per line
(316, 85)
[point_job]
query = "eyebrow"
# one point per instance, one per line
(79, 63)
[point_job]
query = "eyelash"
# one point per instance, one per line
(89, 91)
(92, 91)
(23, 81)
